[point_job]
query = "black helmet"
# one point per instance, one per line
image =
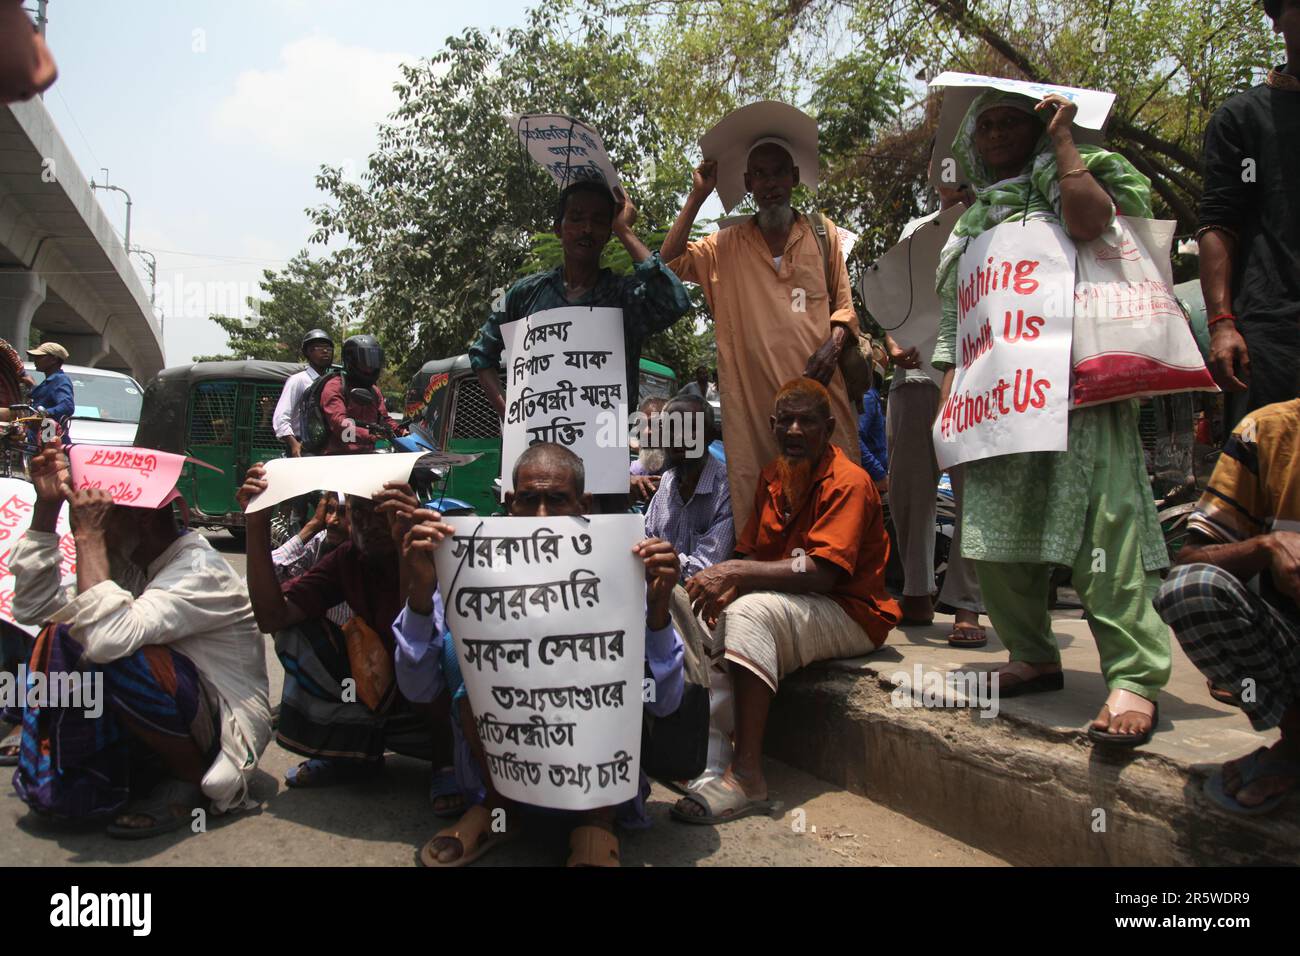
(363, 359)
(315, 335)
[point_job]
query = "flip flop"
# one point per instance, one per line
(474, 833)
(444, 785)
(14, 740)
(322, 772)
(722, 804)
(1125, 740)
(593, 846)
(979, 639)
(158, 807)
(1252, 769)
(1020, 686)
(1223, 695)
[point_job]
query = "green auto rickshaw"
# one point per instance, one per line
(446, 398)
(218, 413)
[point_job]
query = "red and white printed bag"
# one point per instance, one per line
(1131, 338)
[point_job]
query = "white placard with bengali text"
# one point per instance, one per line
(566, 382)
(17, 499)
(1015, 314)
(567, 148)
(548, 619)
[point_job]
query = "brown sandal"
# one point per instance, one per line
(473, 832)
(978, 639)
(593, 846)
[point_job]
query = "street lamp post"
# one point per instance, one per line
(105, 185)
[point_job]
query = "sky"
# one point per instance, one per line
(215, 115)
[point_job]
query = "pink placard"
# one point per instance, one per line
(137, 477)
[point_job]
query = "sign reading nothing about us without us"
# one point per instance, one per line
(548, 619)
(1015, 313)
(566, 383)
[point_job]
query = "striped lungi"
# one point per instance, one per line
(774, 634)
(75, 766)
(318, 719)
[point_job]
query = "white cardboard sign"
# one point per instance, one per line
(960, 91)
(566, 382)
(567, 148)
(361, 475)
(548, 619)
(899, 290)
(1015, 318)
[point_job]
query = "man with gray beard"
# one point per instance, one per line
(781, 306)
(651, 460)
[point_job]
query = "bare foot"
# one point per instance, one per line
(1265, 785)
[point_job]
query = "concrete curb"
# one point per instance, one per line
(1014, 786)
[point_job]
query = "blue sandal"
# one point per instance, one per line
(1253, 768)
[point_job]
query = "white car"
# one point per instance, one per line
(108, 405)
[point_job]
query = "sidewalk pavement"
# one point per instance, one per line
(1028, 784)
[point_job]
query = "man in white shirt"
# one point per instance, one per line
(318, 350)
(163, 625)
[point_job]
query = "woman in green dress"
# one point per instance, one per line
(1090, 507)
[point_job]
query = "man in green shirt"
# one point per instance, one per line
(652, 297)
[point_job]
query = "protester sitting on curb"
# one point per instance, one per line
(548, 481)
(162, 623)
(1247, 642)
(809, 585)
(340, 707)
(692, 512)
(324, 531)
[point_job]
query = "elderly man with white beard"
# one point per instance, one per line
(780, 300)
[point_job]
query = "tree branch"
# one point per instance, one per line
(1184, 213)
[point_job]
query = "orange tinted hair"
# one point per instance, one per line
(806, 389)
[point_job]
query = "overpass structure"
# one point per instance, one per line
(63, 271)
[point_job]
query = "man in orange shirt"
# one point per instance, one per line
(809, 585)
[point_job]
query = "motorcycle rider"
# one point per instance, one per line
(318, 350)
(353, 405)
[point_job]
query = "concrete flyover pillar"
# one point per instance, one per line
(87, 350)
(21, 294)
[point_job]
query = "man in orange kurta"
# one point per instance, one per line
(808, 585)
(774, 317)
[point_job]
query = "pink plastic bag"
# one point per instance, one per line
(1131, 338)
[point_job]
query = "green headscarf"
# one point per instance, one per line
(1034, 194)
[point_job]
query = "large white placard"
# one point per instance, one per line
(960, 91)
(548, 619)
(17, 499)
(1015, 310)
(360, 475)
(566, 382)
